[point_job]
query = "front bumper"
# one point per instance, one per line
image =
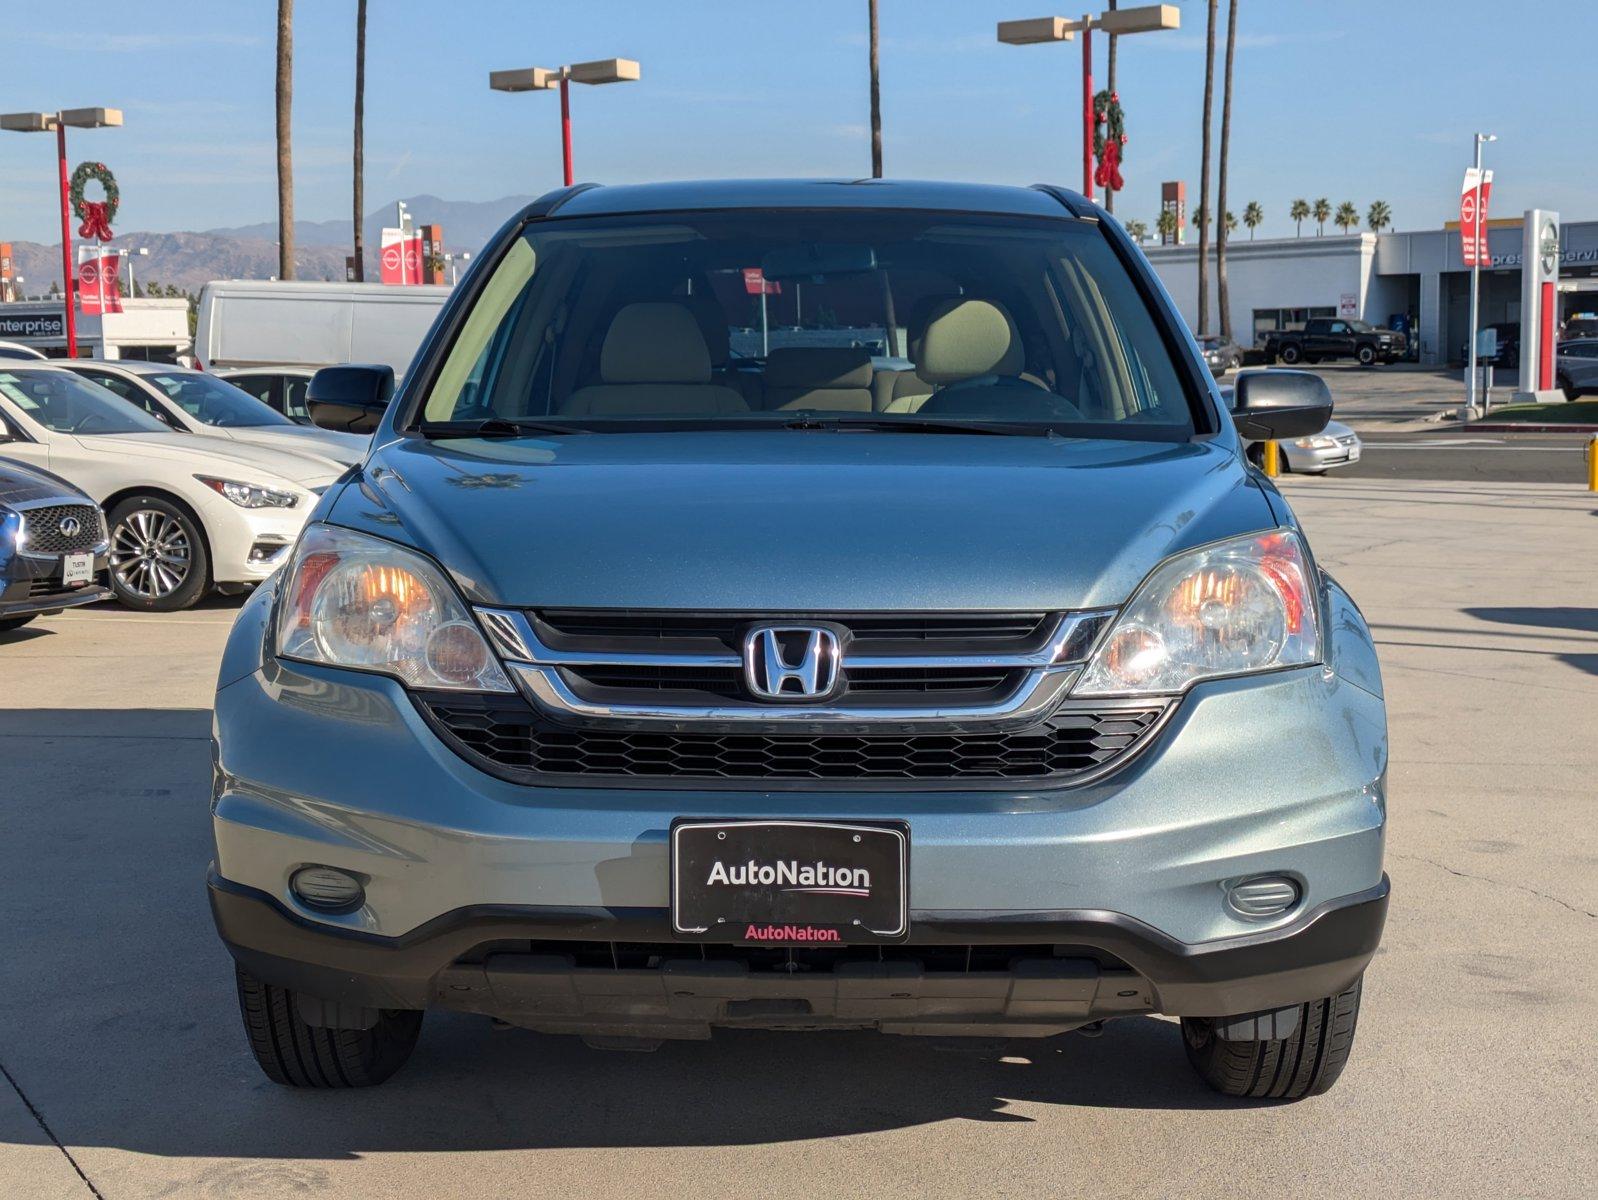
(30, 585)
(617, 972)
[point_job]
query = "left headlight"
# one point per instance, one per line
(249, 495)
(350, 600)
(1233, 608)
(1319, 442)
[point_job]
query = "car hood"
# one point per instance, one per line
(801, 521)
(210, 454)
(338, 449)
(23, 484)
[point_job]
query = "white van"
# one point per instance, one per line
(273, 323)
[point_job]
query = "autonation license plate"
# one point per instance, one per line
(77, 568)
(789, 883)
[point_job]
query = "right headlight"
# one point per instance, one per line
(350, 600)
(1232, 608)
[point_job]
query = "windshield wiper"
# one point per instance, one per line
(917, 425)
(492, 427)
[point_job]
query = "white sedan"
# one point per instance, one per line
(195, 402)
(186, 513)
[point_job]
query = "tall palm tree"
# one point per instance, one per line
(360, 137)
(1253, 217)
(285, 150)
(1300, 213)
(1109, 193)
(1347, 216)
(876, 100)
(1204, 179)
(1379, 217)
(1228, 221)
(1323, 213)
(1165, 225)
(1137, 230)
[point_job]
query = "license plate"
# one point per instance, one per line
(789, 883)
(77, 568)
(1353, 454)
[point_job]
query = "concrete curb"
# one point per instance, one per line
(1525, 427)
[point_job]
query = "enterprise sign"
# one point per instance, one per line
(33, 325)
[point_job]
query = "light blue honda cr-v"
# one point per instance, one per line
(804, 605)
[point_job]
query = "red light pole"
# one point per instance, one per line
(38, 122)
(1144, 19)
(539, 79)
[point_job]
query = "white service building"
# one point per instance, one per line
(1418, 277)
(153, 329)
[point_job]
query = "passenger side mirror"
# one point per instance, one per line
(350, 398)
(1277, 405)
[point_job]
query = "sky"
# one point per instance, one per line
(1350, 102)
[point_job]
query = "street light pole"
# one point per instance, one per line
(539, 79)
(1475, 282)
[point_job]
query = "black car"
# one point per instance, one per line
(1508, 342)
(53, 545)
(1324, 338)
(1221, 354)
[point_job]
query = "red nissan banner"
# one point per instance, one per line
(401, 258)
(755, 282)
(1473, 217)
(99, 286)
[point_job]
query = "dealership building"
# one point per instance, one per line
(1415, 281)
(153, 329)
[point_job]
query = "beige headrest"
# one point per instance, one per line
(966, 339)
(654, 343)
(818, 367)
(712, 320)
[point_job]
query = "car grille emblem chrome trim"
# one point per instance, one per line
(805, 656)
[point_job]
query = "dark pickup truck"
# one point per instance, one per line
(1335, 337)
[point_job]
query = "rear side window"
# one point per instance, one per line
(751, 316)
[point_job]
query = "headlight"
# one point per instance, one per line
(350, 600)
(249, 495)
(1233, 608)
(1319, 442)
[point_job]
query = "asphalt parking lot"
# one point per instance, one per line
(126, 1073)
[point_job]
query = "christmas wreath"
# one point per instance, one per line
(1109, 135)
(96, 215)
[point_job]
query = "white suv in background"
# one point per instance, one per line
(186, 513)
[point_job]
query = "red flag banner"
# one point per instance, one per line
(99, 286)
(755, 282)
(1474, 194)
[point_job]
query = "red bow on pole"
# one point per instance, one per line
(1108, 175)
(96, 222)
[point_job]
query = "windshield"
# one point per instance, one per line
(66, 404)
(213, 402)
(770, 319)
(1361, 326)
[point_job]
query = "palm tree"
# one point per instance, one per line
(1253, 217)
(1137, 230)
(1228, 221)
(1300, 213)
(360, 136)
(1379, 217)
(1109, 193)
(1204, 179)
(1165, 225)
(1323, 213)
(1347, 216)
(876, 99)
(285, 151)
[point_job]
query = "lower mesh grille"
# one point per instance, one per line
(511, 736)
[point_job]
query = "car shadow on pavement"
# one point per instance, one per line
(1567, 618)
(27, 633)
(119, 1022)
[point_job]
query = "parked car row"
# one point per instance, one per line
(194, 484)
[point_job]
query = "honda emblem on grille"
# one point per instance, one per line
(69, 526)
(791, 662)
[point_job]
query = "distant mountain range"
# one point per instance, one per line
(250, 251)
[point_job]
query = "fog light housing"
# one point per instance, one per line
(1262, 896)
(327, 889)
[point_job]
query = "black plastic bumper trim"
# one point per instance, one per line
(1319, 954)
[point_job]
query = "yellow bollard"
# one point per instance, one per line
(1273, 466)
(1592, 464)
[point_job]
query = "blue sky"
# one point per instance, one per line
(1351, 102)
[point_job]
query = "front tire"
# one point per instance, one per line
(158, 560)
(1307, 1063)
(1292, 355)
(1366, 356)
(295, 1054)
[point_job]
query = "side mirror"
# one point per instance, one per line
(350, 398)
(1278, 405)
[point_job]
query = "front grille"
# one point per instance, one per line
(43, 529)
(935, 958)
(509, 735)
(727, 628)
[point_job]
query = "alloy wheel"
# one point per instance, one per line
(150, 553)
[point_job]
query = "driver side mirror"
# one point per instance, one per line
(350, 398)
(1278, 405)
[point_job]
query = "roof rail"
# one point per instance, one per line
(550, 201)
(1073, 202)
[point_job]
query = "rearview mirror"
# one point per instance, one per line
(1274, 405)
(814, 261)
(350, 398)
